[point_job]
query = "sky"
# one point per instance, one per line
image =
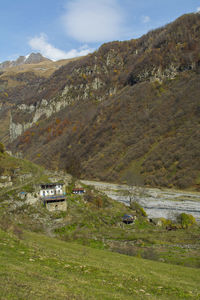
(61, 29)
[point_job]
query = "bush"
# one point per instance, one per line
(1, 170)
(28, 188)
(150, 253)
(139, 209)
(96, 200)
(89, 196)
(2, 148)
(5, 222)
(186, 220)
(166, 222)
(71, 186)
(18, 232)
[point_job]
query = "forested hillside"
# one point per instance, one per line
(131, 107)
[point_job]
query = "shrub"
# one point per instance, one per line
(186, 220)
(28, 188)
(166, 222)
(98, 200)
(1, 170)
(150, 253)
(89, 196)
(71, 185)
(18, 232)
(139, 209)
(5, 222)
(2, 148)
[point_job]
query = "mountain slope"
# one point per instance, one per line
(131, 107)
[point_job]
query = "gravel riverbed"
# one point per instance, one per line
(156, 202)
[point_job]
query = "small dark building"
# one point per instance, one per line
(127, 219)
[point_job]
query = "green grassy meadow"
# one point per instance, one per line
(38, 267)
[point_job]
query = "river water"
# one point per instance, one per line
(156, 202)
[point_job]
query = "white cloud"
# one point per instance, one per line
(40, 43)
(91, 21)
(198, 9)
(146, 19)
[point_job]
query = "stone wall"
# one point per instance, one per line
(62, 206)
(5, 181)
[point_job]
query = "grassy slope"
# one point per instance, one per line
(9, 163)
(38, 267)
(44, 69)
(15, 168)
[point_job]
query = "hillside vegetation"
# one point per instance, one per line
(130, 107)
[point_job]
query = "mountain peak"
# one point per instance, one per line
(33, 58)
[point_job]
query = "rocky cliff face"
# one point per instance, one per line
(129, 107)
(42, 109)
(91, 83)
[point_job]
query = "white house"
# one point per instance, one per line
(51, 189)
(53, 196)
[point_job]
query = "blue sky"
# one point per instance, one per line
(68, 28)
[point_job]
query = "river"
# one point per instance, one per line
(157, 202)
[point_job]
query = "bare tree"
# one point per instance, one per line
(135, 186)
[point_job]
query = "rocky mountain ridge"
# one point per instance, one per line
(32, 58)
(116, 110)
